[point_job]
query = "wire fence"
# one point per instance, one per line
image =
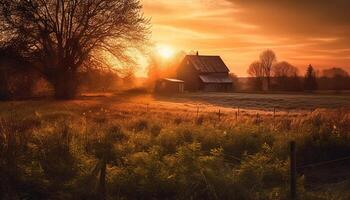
(314, 182)
(258, 115)
(318, 164)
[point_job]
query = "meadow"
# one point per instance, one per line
(193, 146)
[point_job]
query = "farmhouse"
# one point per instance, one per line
(204, 73)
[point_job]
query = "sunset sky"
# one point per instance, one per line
(299, 31)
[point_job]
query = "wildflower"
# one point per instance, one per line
(37, 114)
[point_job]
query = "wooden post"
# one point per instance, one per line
(293, 171)
(236, 116)
(197, 112)
(219, 114)
(238, 110)
(257, 118)
(274, 118)
(102, 192)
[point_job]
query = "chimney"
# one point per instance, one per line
(197, 53)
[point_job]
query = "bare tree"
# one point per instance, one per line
(256, 70)
(267, 59)
(284, 69)
(286, 77)
(60, 37)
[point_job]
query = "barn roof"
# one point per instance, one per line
(208, 64)
(215, 78)
(173, 80)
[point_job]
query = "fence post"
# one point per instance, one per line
(293, 171)
(197, 112)
(274, 118)
(219, 114)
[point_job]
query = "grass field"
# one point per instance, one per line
(267, 101)
(192, 146)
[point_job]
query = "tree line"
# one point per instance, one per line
(268, 73)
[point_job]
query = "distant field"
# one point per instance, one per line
(206, 102)
(265, 101)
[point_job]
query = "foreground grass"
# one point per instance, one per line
(136, 148)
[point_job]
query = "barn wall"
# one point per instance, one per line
(189, 75)
(216, 87)
(169, 87)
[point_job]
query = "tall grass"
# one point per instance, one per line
(101, 153)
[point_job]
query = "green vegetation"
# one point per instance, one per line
(106, 149)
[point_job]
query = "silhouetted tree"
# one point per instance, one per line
(16, 81)
(336, 78)
(310, 82)
(334, 72)
(98, 80)
(256, 71)
(284, 69)
(163, 68)
(154, 72)
(267, 59)
(59, 37)
(286, 77)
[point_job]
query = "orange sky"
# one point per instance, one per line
(299, 31)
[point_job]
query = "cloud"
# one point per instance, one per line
(300, 31)
(297, 17)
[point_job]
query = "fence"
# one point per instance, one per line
(294, 167)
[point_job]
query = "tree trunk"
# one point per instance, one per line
(268, 82)
(65, 85)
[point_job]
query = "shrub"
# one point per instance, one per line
(139, 125)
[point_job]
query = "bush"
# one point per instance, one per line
(17, 77)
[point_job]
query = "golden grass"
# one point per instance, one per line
(160, 147)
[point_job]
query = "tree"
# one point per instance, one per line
(61, 37)
(284, 69)
(310, 82)
(286, 76)
(336, 78)
(335, 72)
(16, 81)
(267, 59)
(163, 68)
(154, 72)
(256, 70)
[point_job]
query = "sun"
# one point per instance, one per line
(165, 51)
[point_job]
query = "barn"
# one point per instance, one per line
(204, 73)
(168, 85)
